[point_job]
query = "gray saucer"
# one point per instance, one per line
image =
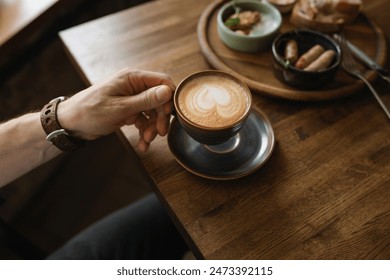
(238, 157)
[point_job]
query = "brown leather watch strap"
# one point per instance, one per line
(58, 136)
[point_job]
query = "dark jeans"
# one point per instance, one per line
(141, 230)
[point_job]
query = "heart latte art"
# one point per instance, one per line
(213, 101)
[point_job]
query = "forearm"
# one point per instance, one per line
(129, 97)
(23, 146)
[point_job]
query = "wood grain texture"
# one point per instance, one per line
(323, 194)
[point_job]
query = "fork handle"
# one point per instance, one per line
(377, 97)
(386, 78)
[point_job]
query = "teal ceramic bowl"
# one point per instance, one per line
(261, 36)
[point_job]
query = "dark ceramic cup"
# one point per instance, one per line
(212, 106)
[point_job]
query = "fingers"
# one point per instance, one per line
(148, 79)
(153, 109)
(142, 123)
(150, 124)
(146, 102)
(142, 145)
(146, 138)
(134, 81)
(149, 99)
(162, 121)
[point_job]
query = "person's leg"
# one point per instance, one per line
(141, 230)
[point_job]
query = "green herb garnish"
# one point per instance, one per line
(232, 22)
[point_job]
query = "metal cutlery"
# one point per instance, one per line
(368, 61)
(349, 64)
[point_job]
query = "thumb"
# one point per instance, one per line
(151, 98)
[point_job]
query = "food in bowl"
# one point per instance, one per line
(243, 22)
(263, 20)
(325, 15)
(315, 59)
(284, 6)
(305, 59)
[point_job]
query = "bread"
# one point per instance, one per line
(325, 15)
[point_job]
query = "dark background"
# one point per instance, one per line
(43, 209)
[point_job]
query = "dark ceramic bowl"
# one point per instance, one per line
(299, 78)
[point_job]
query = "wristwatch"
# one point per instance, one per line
(58, 136)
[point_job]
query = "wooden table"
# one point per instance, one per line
(323, 194)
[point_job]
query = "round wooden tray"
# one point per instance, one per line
(256, 69)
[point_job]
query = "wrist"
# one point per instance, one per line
(57, 134)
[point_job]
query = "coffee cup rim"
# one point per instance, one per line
(206, 72)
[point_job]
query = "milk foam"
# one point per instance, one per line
(210, 96)
(213, 101)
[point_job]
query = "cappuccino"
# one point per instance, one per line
(213, 101)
